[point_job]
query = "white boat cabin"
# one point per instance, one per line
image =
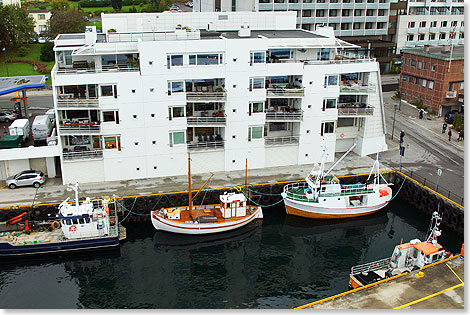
(232, 205)
(416, 253)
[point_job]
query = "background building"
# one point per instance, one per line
(435, 76)
(41, 17)
(11, 2)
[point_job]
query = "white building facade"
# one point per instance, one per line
(131, 105)
(41, 17)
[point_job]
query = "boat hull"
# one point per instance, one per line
(173, 226)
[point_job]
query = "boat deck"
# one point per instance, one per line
(297, 194)
(204, 210)
(21, 238)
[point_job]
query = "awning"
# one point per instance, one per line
(12, 84)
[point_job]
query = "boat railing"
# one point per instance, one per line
(375, 265)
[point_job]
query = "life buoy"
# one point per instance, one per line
(341, 135)
(55, 224)
(72, 228)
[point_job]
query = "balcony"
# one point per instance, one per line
(69, 128)
(82, 155)
(451, 94)
(270, 141)
(347, 110)
(219, 96)
(205, 145)
(356, 88)
(284, 92)
(64, 101)
(284, 116)
(206, 121)
(412, 30)
(423, 30)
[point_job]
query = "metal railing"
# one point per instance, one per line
(197, 121)
(206, 96)
(338, 61)
(355, 111)
(209, 145)
(78, 155)
(375, 265)
(80, 128)
(75, 102)
(96, 70)
(357, 88)
(281, 140)
(281, 116)
(285, 92)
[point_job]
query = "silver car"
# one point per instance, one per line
(7, 116)
(26, 178)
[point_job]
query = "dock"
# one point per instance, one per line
(438, 286)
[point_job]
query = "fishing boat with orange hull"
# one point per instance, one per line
(231, 213)
(322, 196)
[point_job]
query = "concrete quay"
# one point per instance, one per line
(440, 287)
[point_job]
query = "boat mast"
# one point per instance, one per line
(246, 175)
(189, 182)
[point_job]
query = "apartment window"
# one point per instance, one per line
(257, 83)
(358, 1)
(42, 28)
(306, 13)
(345, 12)
(369, 25)
(356, 26)
(307, 1)
(255, 107)
(333, 25)
(411, 24)
(109, 90)
(453, 23)
(413, 62)
(333, 12)
(432, 36)
(257, 57)
(380, 25)
(420, 37)
(321, 1)
(331, 80)
(431, 84)
(461, 85)
(290, 1)
(403, 78)
(329, 103)
(424, 82)
(111, 116)
(255, 132)
(357, 12)
(323, 54)
(205, 59)
(370, 1)
(370, 12)
(407, 61)
(175, 112)
(452, 36)
(175, 87)
(461, 36)
(461, 23)
(327, 127)
(320, 13)
(345, 26)
(422, 24)
(112, 142)
(381, 12)
(410, 37)
(433, 68)
(442, 36)
(174, 60)
(41, 17)
(176, 137)
(334, 1)
(434, 24)
(443, 23)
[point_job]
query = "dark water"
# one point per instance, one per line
(282, 262)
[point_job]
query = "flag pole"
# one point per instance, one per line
(451, 47)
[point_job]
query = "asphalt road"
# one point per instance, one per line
(427, 150)
(43, 99)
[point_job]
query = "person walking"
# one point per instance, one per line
(460, 136)
(421, 113)
(444, 127)
(450, 134)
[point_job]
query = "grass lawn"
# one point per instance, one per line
(17, 69)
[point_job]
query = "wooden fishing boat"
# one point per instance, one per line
(231, 213)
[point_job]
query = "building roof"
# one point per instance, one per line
(38, 11)
(428, 248)
(438, 52)
(12, 84)
(72, 36)
(273, 34)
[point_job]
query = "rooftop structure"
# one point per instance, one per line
(131, 104)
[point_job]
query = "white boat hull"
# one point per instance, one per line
(193, 228)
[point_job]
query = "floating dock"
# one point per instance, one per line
(436, 286)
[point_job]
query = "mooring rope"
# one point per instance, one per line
(399, 189)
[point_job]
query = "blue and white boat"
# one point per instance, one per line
(77, 226)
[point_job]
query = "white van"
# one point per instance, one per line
(42, 127)
(51, 114)
(20, 127)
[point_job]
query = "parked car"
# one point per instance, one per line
(7, 116)
(175, 8)
(449, 117)
(26, 178)
(189, 4)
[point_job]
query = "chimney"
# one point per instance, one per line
(244, 31)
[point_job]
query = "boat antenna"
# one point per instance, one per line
(189, 181)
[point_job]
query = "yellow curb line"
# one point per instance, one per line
(429, 296)
(454, 273)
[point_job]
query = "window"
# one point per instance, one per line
(381, 12)
(442, 36)
(111, 116)
(433, 68)
(42, 28)
(109, 90)
(333, 12)
(443, 23)
(307, 13)
(420, 64)
(410, 37)
(370, 12)
(461, 35)
(323, 54)
(176, 137)
(380, 25)
(175, 87)
(432, 36)
(422, 24)
(369, 25)
(413, 62)
(174, 60)
(453, 23)
(175, 112)
(327, 127)
(431, 84)
(403, 78)
(255, 107)
(434, 24)
(356, 26)
(333, 25)
(411, 24)
(407, 61)
(424, 82)
(257, 83)
(257, 57)
(461, 23)
(331, 80)
(329, 103)
(255, 132)
(112, 142)
(345, 26)
(205, 59)
(345, 12)
(461, 85)
(320, 13)
(307, 1)
(357, 12)
(345, 122)
(41, 17)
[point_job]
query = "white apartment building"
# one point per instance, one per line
(131, 103)
(11, 2)
(41, 17)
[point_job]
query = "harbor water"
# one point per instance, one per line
(281, 262)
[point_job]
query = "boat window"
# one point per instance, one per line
(415, 254)
(240, 204)
(81, 220)
(75, 221)
(68, 222)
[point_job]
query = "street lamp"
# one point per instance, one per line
(394, 114)
(6, 64)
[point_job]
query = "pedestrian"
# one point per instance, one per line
(460, 136)
(421, 113)
(450, 134)
(444, 127)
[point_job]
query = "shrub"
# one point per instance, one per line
(47, 52)
(22, 51)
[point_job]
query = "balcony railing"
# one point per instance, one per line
(281, 140)
(363, 88)
(198, 121)
(78, 155)
(80, 128)
(355, 111)
(285, 92)
(75, 102)
(206, 96)
(283, 116)
(95, 70)
(209, 145)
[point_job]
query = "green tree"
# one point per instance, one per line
(59, 4)
(458, 121)
(47, 51)
(117, 4)
(16, 27)
(66, 21)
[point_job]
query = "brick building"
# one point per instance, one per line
(434, 76)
